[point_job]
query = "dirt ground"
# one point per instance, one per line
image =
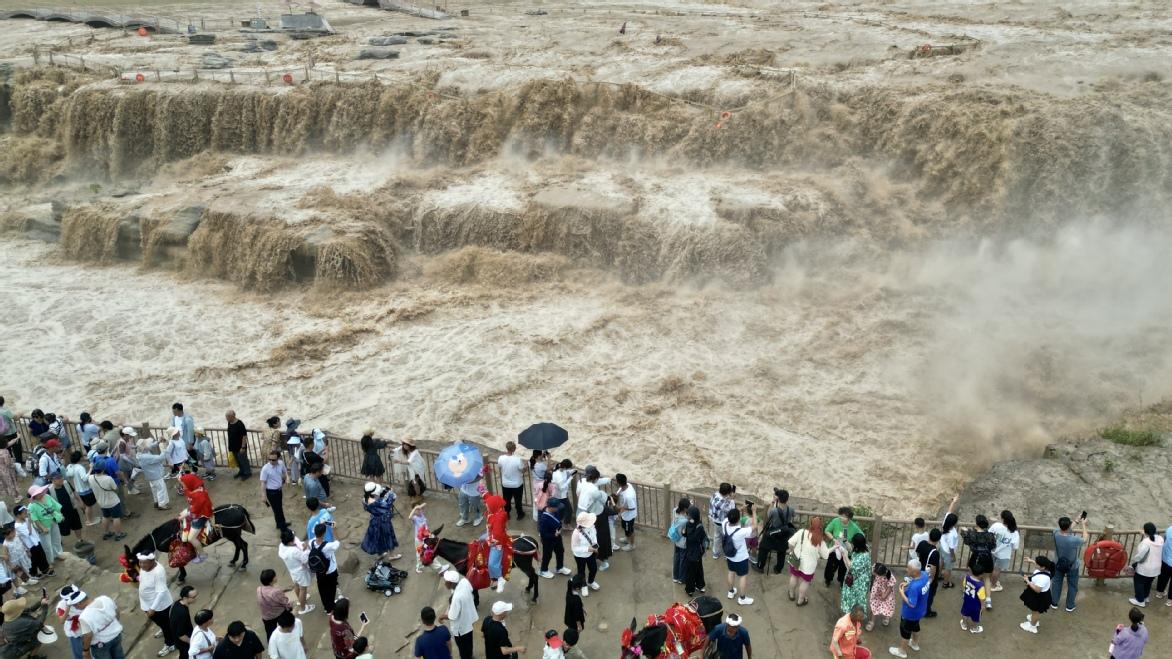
(637, 584)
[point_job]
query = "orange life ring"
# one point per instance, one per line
(288, 78)
(1104, 559)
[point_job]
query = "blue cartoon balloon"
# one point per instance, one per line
(458, 464)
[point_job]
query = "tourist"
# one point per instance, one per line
(718, 507)
(101, 631)
(151, 460)
(342, 635)
(541, 477)
(288, 641)
(180, 620)
(570, 644)
(1165, 580)
(542, 491)
(273, 477)
(380, 539)
(21, 625)
(69, 503)
(295, 555)
(858, 576)
(239, 642)
(734, 539)
(319, 514)
(434, 640)
(1036, 594)
(808, 548)
(199, 507)
(154, 598)
(296, 457)
(105, 490)
(177, 453)
(420, 531)
(914, 594)
(512, 468)
(272, 439)
(539, 464)
(1008, 541)
(44, 511)
(312, 485)
(321, 443)
(183, 422)
(1147, 560)
(126, 458)
(970, 607)
(928, 553)
(628, 510)
(1068, 549)
(695, 538)
(981, 543)
(372, 464)
(206, 453)
(38, 428)
(1130, 640)
(31, 539)
(882, 598)
(203, 639)
(110, 434)
(323, 562)
(563, 474)
(500, 543)
(70, 617)
(77, 476)
(18, 559)
(675, 533)
(9, 436)
(584, 547)
(468, 500)
(87, 430)
(549, 527)
(461, 611)
(362, 649)
(272, 600)
(779, 527)
(731, 639)
(496, 636)
(575, 613)
(919, 534)
(48, 463)
(553, 646)
(846, 641)
(57, 430)
(839, 532)
(604, 531)
(9, 478)
(238, 445)
(416, 465)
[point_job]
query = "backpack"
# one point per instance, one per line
(415, 487)
(727, 545)
(981, 556)
(317, 562)
(5, 427)
(675, 531)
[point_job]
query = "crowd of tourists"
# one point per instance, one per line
(74, 481)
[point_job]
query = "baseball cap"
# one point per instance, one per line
(129, 432)
(501, 607)
(552, 639)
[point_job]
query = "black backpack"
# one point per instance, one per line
(981, 551)
(317, 563)
(727, 545)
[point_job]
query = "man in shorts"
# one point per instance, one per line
(914, 593)
(199, 506)
(105, 490)
(628, 510)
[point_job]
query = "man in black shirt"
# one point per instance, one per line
(928, 552)
(239, 643)
(180, 619)
(496, 636)
(238, 445)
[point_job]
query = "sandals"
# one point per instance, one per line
(791, 595)
(108, 536)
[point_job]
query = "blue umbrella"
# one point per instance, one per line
(458, 464)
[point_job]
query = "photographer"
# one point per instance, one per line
(779, 527)
(722, 501)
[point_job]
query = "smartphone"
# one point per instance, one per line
(44, 593)
(1084, 515)
(363, 618)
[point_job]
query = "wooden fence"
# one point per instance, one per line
(889, 539)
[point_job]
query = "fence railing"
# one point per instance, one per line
(889, 540)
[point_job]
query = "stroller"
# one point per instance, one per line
(382, 576)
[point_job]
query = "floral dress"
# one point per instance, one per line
(883, 597)
(856, 593)
(9, 486)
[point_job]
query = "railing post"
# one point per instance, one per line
(1108, 534)
(878, 539)
(667, 508)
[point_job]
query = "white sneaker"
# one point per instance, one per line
(418, 569)
(477, 521)
(545, 575)
(306, 609)
(976, 630)
(988, 605)
(500, 586)
(1135, 602)
(594, 585)
(1033, 629)
(565, 570)
(603, 566)
(913, 645)
(732, 593)
(896, 652)
(20, 590)
(964, 624)
(628, 548)
(158, 633)
(996, 588)
(744, 600)
(585, 592)
(461, 522)
(167, 649)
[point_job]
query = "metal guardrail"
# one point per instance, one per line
(889, 539)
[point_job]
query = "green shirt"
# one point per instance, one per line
(46, 511)
(835, 529)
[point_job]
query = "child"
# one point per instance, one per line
(575, 617)
(361, 648)
(27, 532)
(206, 454)
(882, 597)
(17, 559)
(570, 644)
(553, 646)
(974, 600)
(176, 452)
(420, 531)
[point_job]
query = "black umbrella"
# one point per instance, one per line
(543, 436)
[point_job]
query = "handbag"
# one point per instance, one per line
(792, 557)
(232, 461)
(849, 580)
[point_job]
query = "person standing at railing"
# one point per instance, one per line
(238, 445)
(1165, 580)
(87, 430)
(1146, 560)
(153, 464)
(1068, 550)
(839, 531)
(1008, 541)
(185, 423)
(512, 468)
(628, 510)
(9, 485)
(372, 464)
(722, 501)
(8, 434)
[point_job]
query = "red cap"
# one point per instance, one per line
(52, 444)
(554, 642)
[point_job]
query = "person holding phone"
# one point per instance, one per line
(1068, 549)
(342, 635)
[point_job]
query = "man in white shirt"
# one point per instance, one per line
(461, 615)
(920, 535)
(561, 478)
(628, 510)
(203, 639)
(154, 598)
(591, 498)
(327, 582)
(512, 478)
(288, 639)
(101, 632)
